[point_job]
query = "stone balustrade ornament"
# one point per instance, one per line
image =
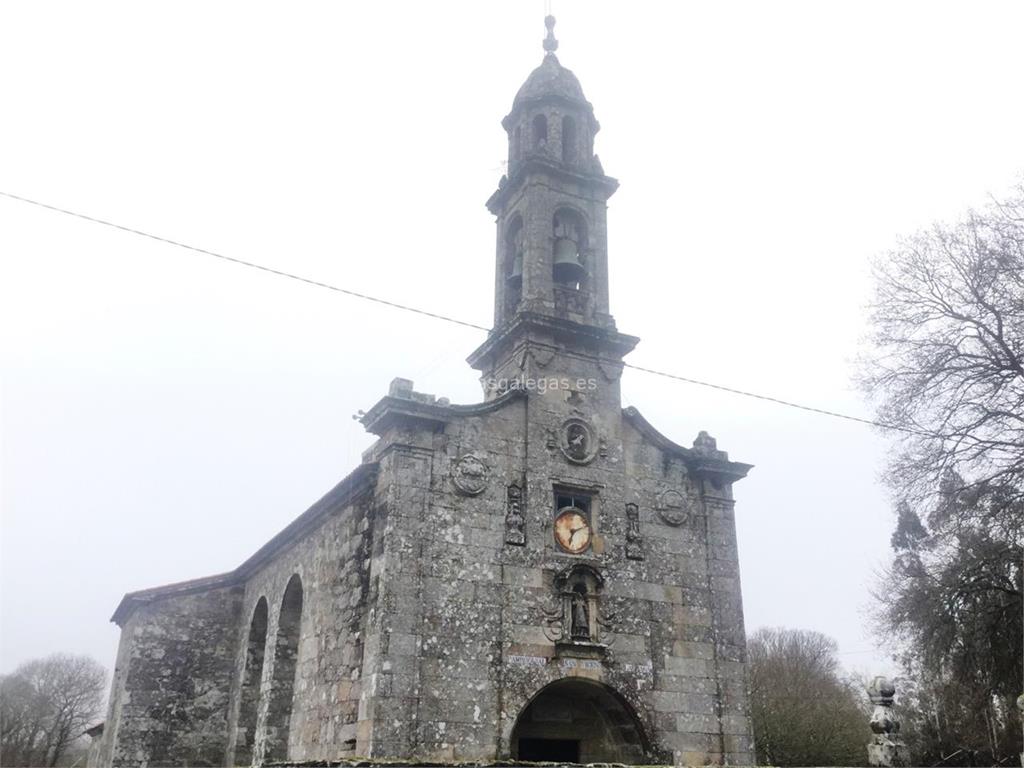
(1020, 706)
(885, 748)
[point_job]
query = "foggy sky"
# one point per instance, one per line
(164, 413)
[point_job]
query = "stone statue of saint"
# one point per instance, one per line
(515, 525)
(580, 617)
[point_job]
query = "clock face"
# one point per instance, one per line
(572, 530)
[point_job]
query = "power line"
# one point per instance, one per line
(242, 262)
(776, 400)
(448, 319)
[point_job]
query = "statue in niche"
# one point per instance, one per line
(580, 615)
(515, 523)
(634, 543)
(575, 620)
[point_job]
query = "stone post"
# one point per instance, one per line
(885, 748)
(1020, 706)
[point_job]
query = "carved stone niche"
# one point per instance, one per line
(575, 624)
(578, 441)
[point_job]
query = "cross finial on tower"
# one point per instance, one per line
(550, 43)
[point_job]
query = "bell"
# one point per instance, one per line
(516, 271)
(568, 268)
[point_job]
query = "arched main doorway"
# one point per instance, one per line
(578, 721)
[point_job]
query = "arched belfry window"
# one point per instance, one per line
(540, 132)
(568, 139)
(514, 251)
(569, 265)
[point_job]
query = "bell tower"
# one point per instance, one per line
(551, 276)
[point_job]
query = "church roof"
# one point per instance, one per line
(550, 79)
(357, 483)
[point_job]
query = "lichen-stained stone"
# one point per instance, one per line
(428, 607)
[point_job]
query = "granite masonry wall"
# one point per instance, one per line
(170, 700)
(426, 628)
(331, 565)
(464, 635)
(186, 657)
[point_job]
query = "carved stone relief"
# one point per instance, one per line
(470, 474)
(578, 441)
(673, 507)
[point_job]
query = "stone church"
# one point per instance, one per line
(539, 576)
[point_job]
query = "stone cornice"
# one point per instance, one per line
(359, 482)
(709, 462)
(391, 409)
(547, 165)
(593, 338)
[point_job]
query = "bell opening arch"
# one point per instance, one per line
(578, 720)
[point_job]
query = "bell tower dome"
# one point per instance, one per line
(551, 283)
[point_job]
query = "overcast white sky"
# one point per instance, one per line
(165, 413)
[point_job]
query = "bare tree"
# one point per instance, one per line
(947, 369)
(45, 705)
(804, 711)
(947, 363)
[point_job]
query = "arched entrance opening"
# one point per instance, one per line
(578, 721)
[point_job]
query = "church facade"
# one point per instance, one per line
(539, 576)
